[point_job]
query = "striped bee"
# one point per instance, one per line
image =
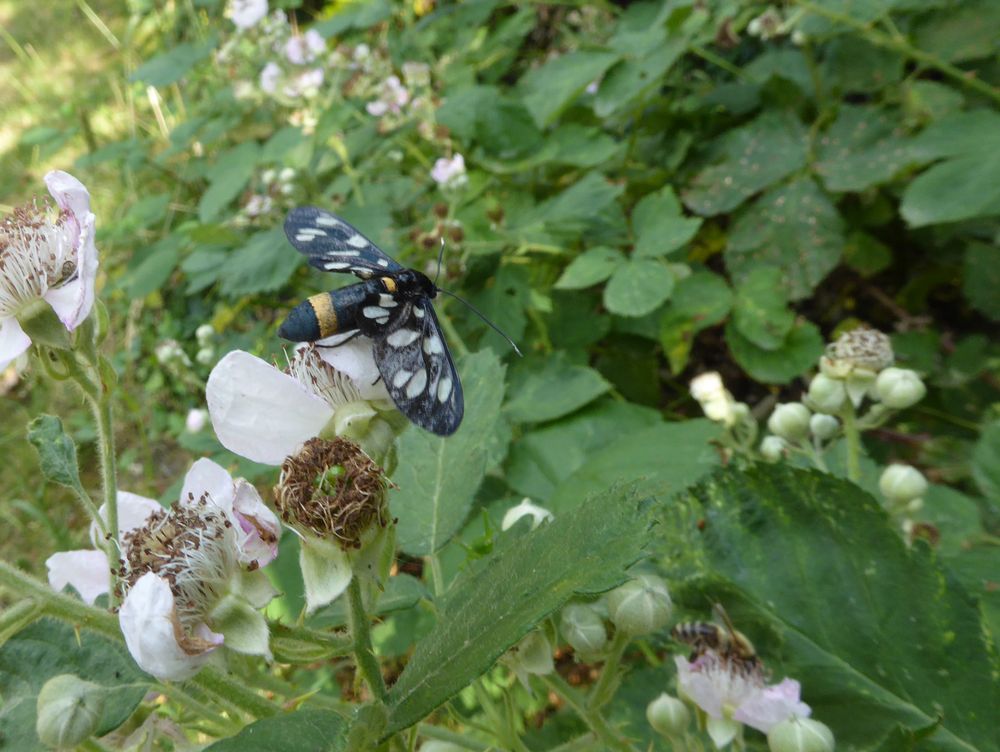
(725, 641)
(391, 305)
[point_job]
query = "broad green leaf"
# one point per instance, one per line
(753, 157)
(809, 566)
(56, 450)
(760, 311)
(355, 14)
(855, 65)
(659, 226)
(664, 459)
(265, 263)
(634, 77)
(49, 648)
(154, 267)
(800, 351)
(963, 32)
(638, 287)
(440, 476)
(174, 64)
(548, 90)
(204, 267)
(960, 134)
(541, 459)
(307, 730)
(590, 267)
(793, 227)
(575, 207)
(986, 462)
(551, 389)
(981, 278)
(698, 301)
(581, 146)
(865, 254)
(227, 178)
(960, 188)
(525, 579)
(505, 128)
(864, 147)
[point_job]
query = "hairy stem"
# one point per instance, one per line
(364, 655)
(852, 442)
(605, 686)
(593, 718)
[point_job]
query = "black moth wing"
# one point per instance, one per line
(418, 371)
(335, 245)
(381, 312)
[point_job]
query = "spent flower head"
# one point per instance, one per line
(47, 256)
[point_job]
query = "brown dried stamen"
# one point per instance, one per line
(332, 489)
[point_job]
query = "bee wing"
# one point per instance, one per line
(419, 373)
(334, 244)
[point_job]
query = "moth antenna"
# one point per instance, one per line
(481, 315)
(440, 256)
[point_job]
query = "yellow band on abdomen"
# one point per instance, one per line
(326, 316)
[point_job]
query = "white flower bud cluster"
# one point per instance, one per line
(903, 487)
(205, 334)
(716, 401)
(770, 25)
(170, 352)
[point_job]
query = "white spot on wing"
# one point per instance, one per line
(401, 377)
(383, 262)
(358, 241)
(444, 389)
(333, 265)
(386, 301)
(311, 231)
(402, 337)
(374, 312)
(303, 237)
(417, 383)
(433, 345)
(328, 220)
(418, 312)
(384, 320)
(348, 253)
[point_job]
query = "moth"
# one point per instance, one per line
(391, 305)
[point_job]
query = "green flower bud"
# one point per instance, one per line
(827, 394)
(583, 628)
(773, 448)
(823, 427)
(532, 655)
(902, 483)
(800, 735)
(789, 421)
(640, 606)
(899, 388)
(668, 716)
(69, 710)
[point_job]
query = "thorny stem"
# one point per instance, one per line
(900, 45)
(364, 655)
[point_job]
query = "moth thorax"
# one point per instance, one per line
(332, 489)
(192, 547)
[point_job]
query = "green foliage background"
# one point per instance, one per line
(653, 192)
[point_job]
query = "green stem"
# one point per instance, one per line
(900, 45)
(852, 442)
(594, 720)
(218, 725)
(364, 655)
(437, 578)
(509, 737)
(604, 689)
(216, 683)
(109, 484)
(429, 731)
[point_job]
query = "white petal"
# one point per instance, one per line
(355, 359)
(259, 412)
(209, 479)
(68, 192)
(525, 509)
(133, 512)
(13, 341)
(698, 687)
(258, 526)
(150, 627)
(772, 705)
(326, 572)
(87, 571)
(74, 300)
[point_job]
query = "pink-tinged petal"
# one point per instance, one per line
(154, 635)
(210, 480)
(697, 686)
(258, 527)
(13, 341)
(68, 192)
(765, 709)
(86, 571)
(260, 413)
(74, 300)
(356, 360)
(133, 512)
